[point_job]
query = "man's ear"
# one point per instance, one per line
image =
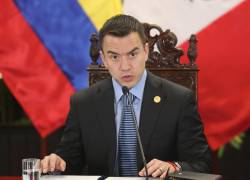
(103, 58)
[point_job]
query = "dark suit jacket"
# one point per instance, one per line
(170, 130)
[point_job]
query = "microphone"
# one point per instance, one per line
(125, 91)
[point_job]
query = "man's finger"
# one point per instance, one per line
(165, 174)
(63, 165)
(52, 162)
(152, 162)
(150, 168)
(45, 164)
(60, 164)
(153, 168)
(157, 172)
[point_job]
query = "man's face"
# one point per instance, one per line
(125, 58)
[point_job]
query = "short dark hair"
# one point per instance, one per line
(122, 25)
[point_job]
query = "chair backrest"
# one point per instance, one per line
(164, 58)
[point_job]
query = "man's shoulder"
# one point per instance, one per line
(167, 85)
(90, 92)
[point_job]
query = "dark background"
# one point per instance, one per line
(19, 139)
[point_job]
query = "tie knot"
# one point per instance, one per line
(128, 98)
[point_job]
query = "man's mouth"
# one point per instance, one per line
(127, 78)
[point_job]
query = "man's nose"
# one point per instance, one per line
(125, 64)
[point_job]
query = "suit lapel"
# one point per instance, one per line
(153, 99)
(105, 99)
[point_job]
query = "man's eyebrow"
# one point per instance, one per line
(133, 50)
(111, 52)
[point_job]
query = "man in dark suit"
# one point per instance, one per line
(169, 123)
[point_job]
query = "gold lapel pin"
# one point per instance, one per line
(157, 99)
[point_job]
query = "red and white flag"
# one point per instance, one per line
(223, 31)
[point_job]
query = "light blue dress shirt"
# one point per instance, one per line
(137, 91)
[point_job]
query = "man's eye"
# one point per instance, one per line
(133, 54)
(114, 57)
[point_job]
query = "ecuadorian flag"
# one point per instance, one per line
(44, 53)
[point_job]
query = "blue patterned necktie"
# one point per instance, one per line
(127, 140)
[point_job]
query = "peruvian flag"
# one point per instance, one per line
(223, 31)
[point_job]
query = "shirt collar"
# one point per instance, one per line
(137, 90)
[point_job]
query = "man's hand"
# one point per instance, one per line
(158, 168)
(52, 163)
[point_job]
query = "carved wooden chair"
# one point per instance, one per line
(164, 58)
